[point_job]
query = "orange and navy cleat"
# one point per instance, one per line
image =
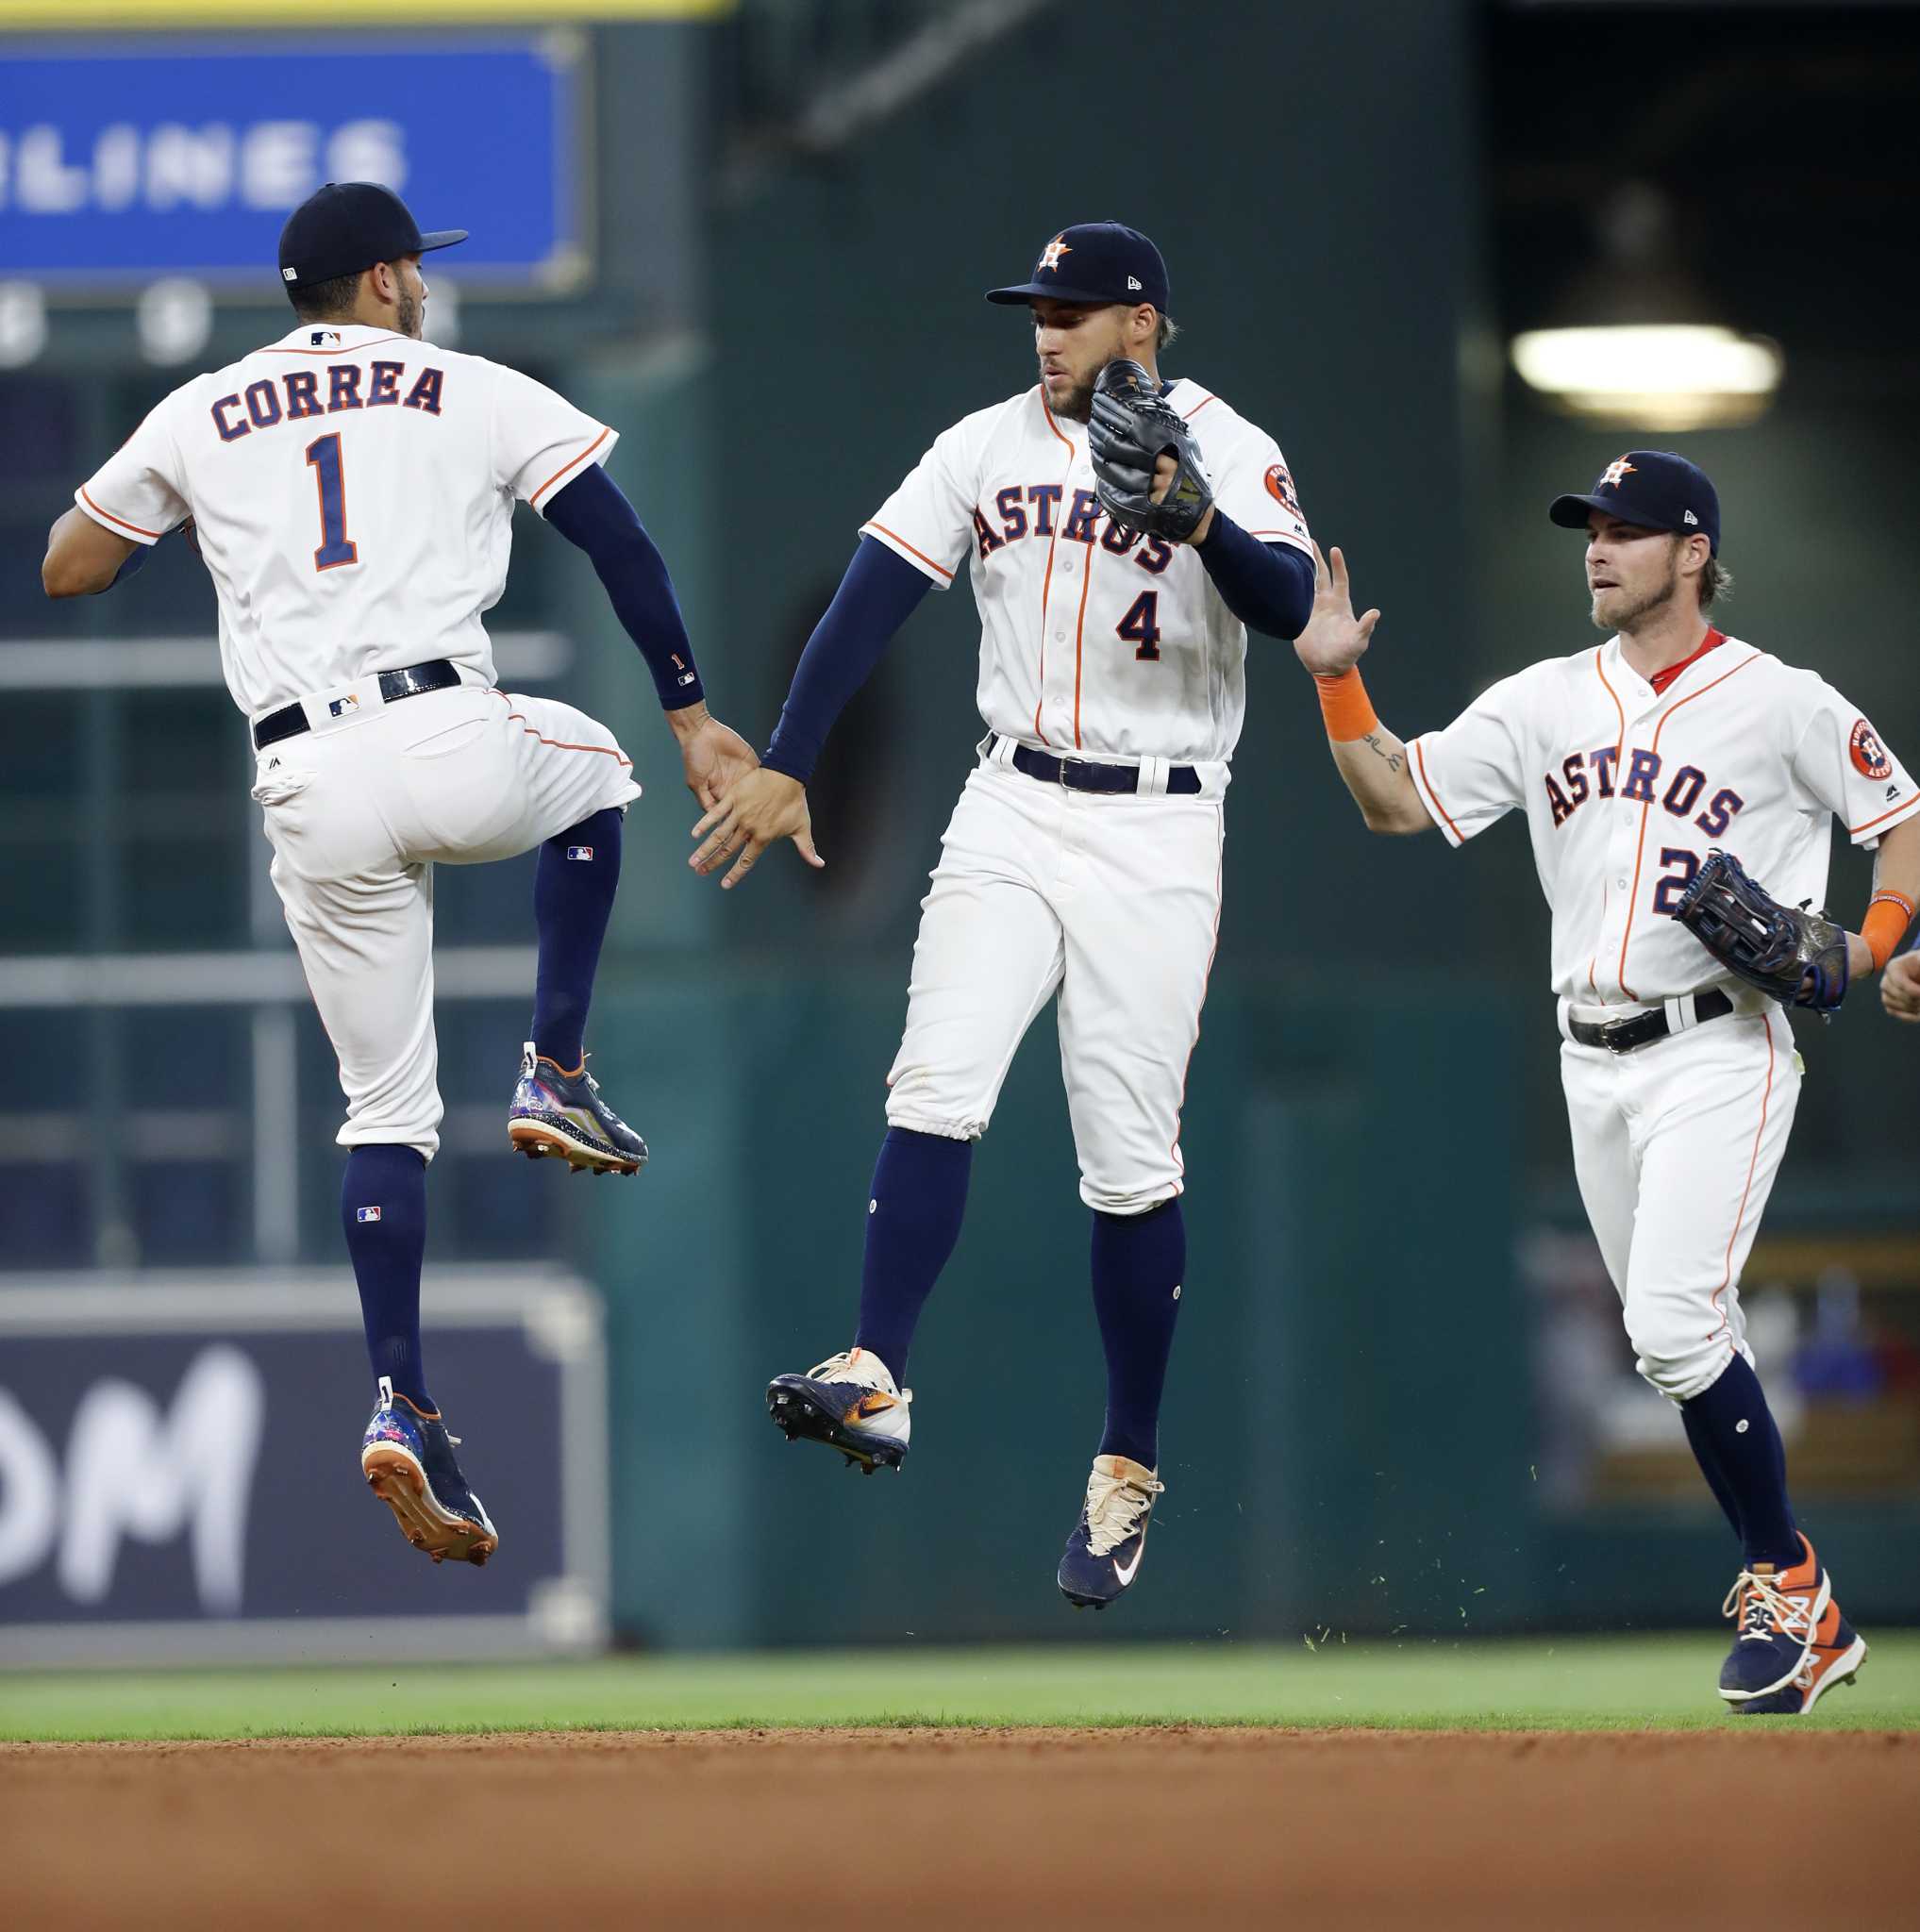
(1792, 1644)
(407, 1458)
(850, 1403)
(559, 1113)
(1104, 1554)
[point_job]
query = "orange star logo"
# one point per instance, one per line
(1616, 470)
(1050, 255)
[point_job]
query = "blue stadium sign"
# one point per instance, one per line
(122, 163)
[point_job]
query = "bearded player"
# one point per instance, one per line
(1122, 536)
(352, 488)
(1657, 774)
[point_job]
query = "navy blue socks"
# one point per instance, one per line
(913, 1219)
(383, 1210)
(573, 884)
(1740, 1452)
(1139, 1260)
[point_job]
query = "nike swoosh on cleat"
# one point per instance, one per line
(1127, 1576)
(877, 1401)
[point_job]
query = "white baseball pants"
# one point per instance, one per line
(1676, 1147)
(1112, 904)
(359, 811)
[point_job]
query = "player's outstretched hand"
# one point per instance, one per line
(761, 806)
(1333, 641)
(1901, 986)
(714, 754)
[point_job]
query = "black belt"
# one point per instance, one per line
(1081, 775)
(1622, 1036)
(290, 721)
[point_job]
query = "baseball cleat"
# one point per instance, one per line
(850, 1403)
(556, 1112)
(407, 1457)
(1103, 1555)
(1791, 1640)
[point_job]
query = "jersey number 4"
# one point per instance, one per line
(323, 456)
(1141, 627)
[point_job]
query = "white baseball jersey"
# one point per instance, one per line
(353, 494)
(1093, 639)
(1627, 789)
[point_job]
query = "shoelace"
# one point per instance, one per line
(1765, 1611)
(1114, 1506)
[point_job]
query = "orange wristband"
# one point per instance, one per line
(1346, 707)
(1888, 916)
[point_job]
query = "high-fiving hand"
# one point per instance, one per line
(713, 755)
(1333, 640)
(756, 808)
(1901, 986)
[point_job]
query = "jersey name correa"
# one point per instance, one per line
(352, 491)
(1093, 640)
(1626, 790)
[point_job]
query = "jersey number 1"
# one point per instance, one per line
(323, 455)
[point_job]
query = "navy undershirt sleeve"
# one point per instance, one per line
(880, 592)
(1269, 586)
(593, 515)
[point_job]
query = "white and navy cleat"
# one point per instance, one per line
(850, 1403)
(559, 1113)
(1104, 1554)
(407, 1458)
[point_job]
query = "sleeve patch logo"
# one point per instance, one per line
(1281, 488)
(1869, 755)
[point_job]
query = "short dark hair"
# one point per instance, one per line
(327, 301)
(1167, 331)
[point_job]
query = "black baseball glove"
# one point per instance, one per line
(1129, 430)
(1797, 956)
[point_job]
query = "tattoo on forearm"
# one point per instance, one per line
(1380, 751)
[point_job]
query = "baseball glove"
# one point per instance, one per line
(1129, 429)
(1797, 956)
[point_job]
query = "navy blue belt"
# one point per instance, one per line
(1082, 774)
(290, 721)
(1642, 1029)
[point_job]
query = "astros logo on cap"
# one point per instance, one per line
(1617, 469)
(1050, 255)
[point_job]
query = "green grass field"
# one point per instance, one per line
(1580, 1684)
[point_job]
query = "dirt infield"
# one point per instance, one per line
(946, 1829)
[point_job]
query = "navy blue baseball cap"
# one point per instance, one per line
(1652, 488)
(349, 226)
(1095, 262)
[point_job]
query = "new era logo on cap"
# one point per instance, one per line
(366, 1214)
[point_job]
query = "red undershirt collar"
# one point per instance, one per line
(1661, 679)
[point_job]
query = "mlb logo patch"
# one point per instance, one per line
(580, 851)
(342, 708)
(366, 1214)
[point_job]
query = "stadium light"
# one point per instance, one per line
(1653, 375)
(1638, 340)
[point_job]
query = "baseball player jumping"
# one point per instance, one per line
(1644, 768)
(1116, 577)
(352, 490)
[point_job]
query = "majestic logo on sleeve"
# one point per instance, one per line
(1869, 755)
(1050, 255)
(1616, 472)
(1281, 488)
